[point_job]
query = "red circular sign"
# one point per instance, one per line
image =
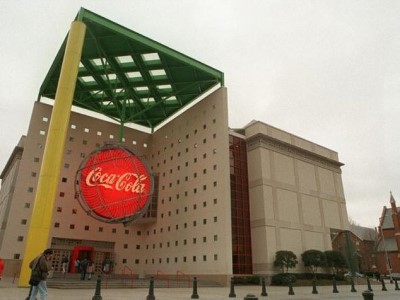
(114, 184)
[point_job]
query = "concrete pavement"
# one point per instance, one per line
(10, 291)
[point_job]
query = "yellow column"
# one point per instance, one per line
(40, 224)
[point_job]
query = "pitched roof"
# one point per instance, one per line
(364, 233)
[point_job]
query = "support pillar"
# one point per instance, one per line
(49, 177)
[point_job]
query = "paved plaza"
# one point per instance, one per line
(10, 291)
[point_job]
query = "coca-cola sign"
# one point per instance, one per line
(113, 184)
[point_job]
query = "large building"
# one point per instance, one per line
(225, 200)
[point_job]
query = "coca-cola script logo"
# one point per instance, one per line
(114, 184)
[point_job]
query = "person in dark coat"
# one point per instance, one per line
(84, 265)
(41, 265)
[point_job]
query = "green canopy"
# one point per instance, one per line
(129, 77)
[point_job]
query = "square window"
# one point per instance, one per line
(27, 205)
(64, 179)
(36, 159)
(30, 189)
(73, 126)
(17, 256)
(62, 194)
(56, 225)
(126, 231)
(100, 229)
(84, 142)
(71, 226)
(20, 238)
(99, 133)
(42, 132)
(23, 221)
(114, 230)
(125, 246)
(137, 261)
(45, 119)
(86, 130)
(124, 260)
(86, 227)
(59, 209)
(74, 211)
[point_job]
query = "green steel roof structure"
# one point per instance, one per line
(129, 77)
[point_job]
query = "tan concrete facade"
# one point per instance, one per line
(296, 195)
(295, 191)
(191, 234)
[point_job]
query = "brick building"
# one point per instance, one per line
(358, 246)
(388, 244)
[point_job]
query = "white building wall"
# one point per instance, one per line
(296, 195)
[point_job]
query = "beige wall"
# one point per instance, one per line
(296, 195)
(192, 233)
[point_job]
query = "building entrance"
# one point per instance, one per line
(80, 252)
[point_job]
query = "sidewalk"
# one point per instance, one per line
(10, 291)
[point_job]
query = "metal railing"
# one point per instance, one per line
(130, 274)
(180, 274)
(161, 275)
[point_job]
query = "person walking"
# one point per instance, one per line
(77, 264)
(64, 263)
(90, 269)
(41, 265)
(84, 265)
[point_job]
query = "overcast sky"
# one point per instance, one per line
(327, 71)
